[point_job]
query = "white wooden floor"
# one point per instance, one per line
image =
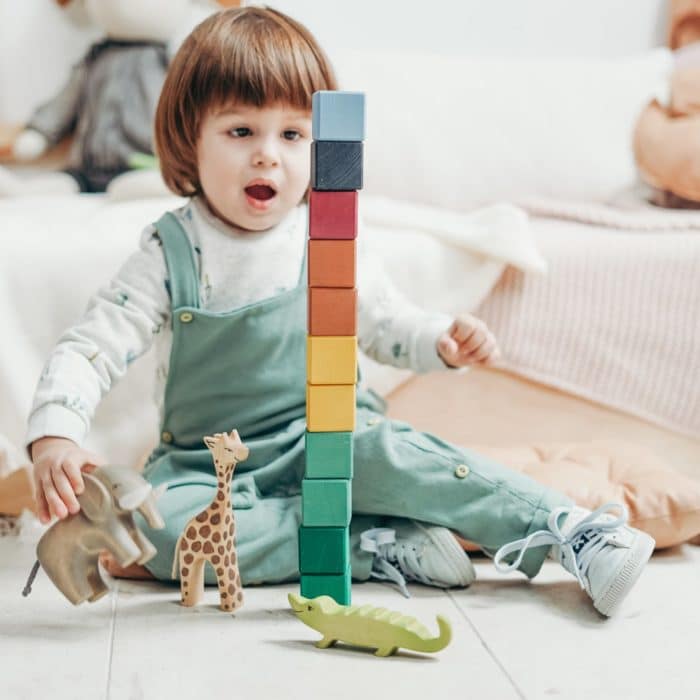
(511, 639)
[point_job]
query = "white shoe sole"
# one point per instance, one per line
(445, 542)
(609, 600)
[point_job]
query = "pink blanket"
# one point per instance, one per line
(617, 318)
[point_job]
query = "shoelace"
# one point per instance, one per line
(393, 561)
(581, 544)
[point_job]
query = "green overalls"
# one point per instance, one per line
(245, 369)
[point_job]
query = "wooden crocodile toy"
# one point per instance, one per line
(367, 626)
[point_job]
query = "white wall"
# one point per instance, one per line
(38, 43)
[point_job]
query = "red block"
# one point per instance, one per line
(333, 215)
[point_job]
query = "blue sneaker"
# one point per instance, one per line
(604, 554)
(413, 551)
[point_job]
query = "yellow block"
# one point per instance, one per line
(330, 407)
(331, 359)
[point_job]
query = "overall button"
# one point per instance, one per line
(166, 436)
(374, 421)
(186, 317)
(461, 471)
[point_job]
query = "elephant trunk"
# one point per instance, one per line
(150, 513)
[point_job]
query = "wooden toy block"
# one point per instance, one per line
(331, 264)
(337, 586)
(331, 359)
(330, 408)
(336, 165)
(329, 455)
(338, 115)
(332, 215)
(323, 550)
(332, 311)
(326, 502)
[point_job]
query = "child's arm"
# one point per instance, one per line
(119, 326)
(392, 330)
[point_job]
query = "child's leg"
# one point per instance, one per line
(402, 472)
(267, 530)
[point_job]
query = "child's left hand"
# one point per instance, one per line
(467, 341)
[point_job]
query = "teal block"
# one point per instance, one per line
(326, 502)
(337, 586)
(329, 455)
(324, 550)
(338, 115)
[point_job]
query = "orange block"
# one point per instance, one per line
(331, 263)
(332, 311)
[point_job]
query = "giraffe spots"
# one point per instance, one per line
(215, 559)
(221, 484)
(220, 550)
(184, 545)
(224, 594)
(228, 519)
(208, 548)
(233, 557)
(239, 597)
(191, 532)
(204, 531)
(229, 545)
(215, 519)
(202, 517)
(189, 558)
(231, 589)
(219, 572)
(196, 546)
(225, 534)
(185, 572)
(226, 560)
(220, 496)
(214, 505)
(216, 536)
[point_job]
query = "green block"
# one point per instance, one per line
(326, 502)
(329, 455)
(337, 586)
(323, 550)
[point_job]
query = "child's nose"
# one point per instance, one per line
(267, 154)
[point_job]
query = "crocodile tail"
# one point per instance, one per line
(442, 640)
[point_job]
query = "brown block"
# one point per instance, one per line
(331, 263)
(332, 311)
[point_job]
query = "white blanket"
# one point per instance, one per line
(57, 251)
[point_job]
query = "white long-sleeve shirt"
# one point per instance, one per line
(132, 313)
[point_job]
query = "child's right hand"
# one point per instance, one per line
(58, 467)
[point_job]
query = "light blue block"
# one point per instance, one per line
(338, 116)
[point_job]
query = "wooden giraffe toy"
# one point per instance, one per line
(210, 536)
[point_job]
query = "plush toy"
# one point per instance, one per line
(667, 135)
(108, 103)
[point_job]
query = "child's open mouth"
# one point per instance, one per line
(259, 195)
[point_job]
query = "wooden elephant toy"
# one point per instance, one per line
(68, 551)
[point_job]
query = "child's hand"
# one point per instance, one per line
(466, 342)
(58, 463)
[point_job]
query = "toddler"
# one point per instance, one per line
(219, 286)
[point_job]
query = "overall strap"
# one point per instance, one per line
(180, 261)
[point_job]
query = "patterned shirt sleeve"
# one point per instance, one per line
(118, 326)
(391, 329)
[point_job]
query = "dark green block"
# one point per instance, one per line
(323, 550)
(329, 455)
(337, 586)
(326, 502)
(336, 165)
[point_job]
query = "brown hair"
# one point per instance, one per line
(256, 56)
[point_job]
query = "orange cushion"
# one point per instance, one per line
(661, 501)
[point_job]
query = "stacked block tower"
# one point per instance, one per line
(331, 360)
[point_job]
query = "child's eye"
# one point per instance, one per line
(240, 131)
(291, 135)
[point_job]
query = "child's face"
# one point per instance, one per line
(254, 163)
